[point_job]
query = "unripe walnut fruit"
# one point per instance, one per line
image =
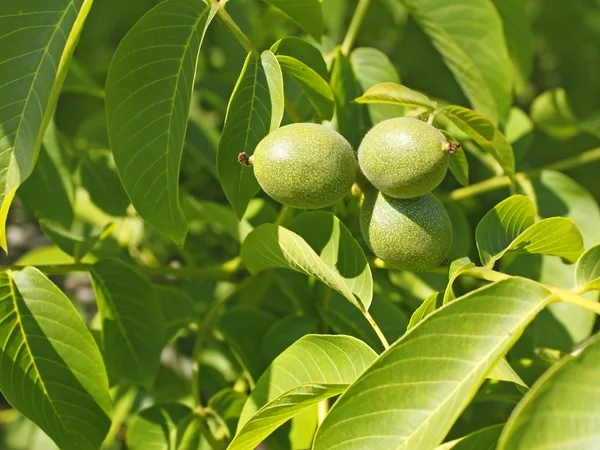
(404, 157)
(305, 165)
(409, 234)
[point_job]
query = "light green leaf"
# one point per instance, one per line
(148, 94)
(306, 13)
(562, 409)
(310, 370)
(502, 225)
(484, 133)
(37, 41)
(274, 76)
(52, 370)
(75, 244)
(302, 51)
(49, 193)
(458, 162)
(396, 94)
(474, 50)
(519, 36)
(352, 119)
(244, 330)
(425, 380)
(552, 113)
(503, 371)
(247, 123)
(429, 305)
(484, 439)
(456, 269)
(178, 309)
(316, 88)
(588, 270)
(372, 67)
(132, 322)
(159, 427)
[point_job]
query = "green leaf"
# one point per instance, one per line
(132, 322)
(74, 244)
(562, 409)
(587, 271)
(458, 162)
(316, 88)
(456, 269)
(49, 193)
(429, 305)
(484, 439)
(502, 225)
(304, 52)
(228, 404)
(310, 370)
(552, 113)
(79, 81)
(519, 36)
(474, 50)
(275, 81)
(37, 42)
(247, 123)
(372, 67)
(425, 380)
(285, 332)
(396, 94)
(52, 370)
(159, 427)
(244, 330)
(100, 178)
(148, 94)
(352, 118)
(484, 133)
(343, 265)
(178, 309)
(503, 371)
(306, 13)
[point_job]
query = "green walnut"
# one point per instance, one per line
(305, 165)
(404, 157)
(409, 234)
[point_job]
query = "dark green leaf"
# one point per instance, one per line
(74, 244)
(484, 439)
(248, 121)
(306, 13)
(37, 41)
(158, 427)
(312, 369)
(220, 216)
(562, 409)
(228, 404)
(473, 49)
(52, 370)
(484, 133)
(132, 323)
(148, 94)
(100, 178)
(284, 333)
(178, 309)
(425, 380)
(552, 113)
(302, 51)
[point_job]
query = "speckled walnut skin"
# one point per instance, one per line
(409, 234)
(404, 157)
(305, 165)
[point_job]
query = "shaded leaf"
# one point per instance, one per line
(100, 178)
(220, 216)
(247, 123)
(562, 409)
(312, 369)
(484, 439)
(588, 269)
(274, 77)
(425, 380)
(302, 51)
(474, 50)
(306, 13)
(148, 94)
(74, 244)
(285, 332)
(552, 113)
(37, 42)
(52, 369)
(228, 404)
(158, 427)
(484, 133)
(132, 323)
(178, 309)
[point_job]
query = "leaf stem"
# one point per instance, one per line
(377, 330)
(222, 272)
(357, 19)
(574, 299)
(503, 181)
(234, 28)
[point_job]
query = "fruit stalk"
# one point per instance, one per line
(359, 15)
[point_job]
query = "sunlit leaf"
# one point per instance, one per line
(588, 269)
(306, 13)
(247, 122)
(562, 409)
(132, 322)
(484, 133)
(275, 82)
(148, 94)
(456, 269)
(310, 370)
(396, 94)
(52, 370)
(474, 50)
(425, 380)
(38, 39)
